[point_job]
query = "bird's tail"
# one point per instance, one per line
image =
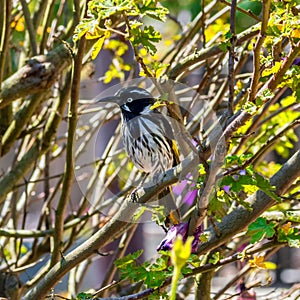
(167, 200)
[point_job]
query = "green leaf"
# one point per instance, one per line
(106, 8)
(194, 260)
(260, 229)
(138, 213)
(289, 234)
(250, 107)
(128, 259)
(160, 264)
(266, 187)
(83, 27)
(84, 296)
(154, 279)
(295, 243)
(215, 258)
(224, 46)
(153, 10)
(146, 37)
(293, 216)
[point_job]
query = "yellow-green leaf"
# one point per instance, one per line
(99, 44)
(272, 70)
(95, 33)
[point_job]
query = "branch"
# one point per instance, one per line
(192, 30)
(198, 270)
(29, 24)
(231, 57)
(21, 118)
(209, 53)
(277, 78)
(39, 73)
(69, 166)
(5, 32)
(274, 247)
(263, 149)
(219, 154)
(26, 233)
(240, 218)
(246, 12)
(5, 15)
(110, 231)
(257, 50)
(230, 225)
(120, 252)
(42, 144)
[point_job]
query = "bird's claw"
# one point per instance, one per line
(134, 196)
(137, 194)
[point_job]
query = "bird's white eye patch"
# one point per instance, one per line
(129, 100)
(125, 107)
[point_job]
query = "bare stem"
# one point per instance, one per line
(257, 50)
(231, 57)
(69, 167)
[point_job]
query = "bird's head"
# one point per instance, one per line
(132, 100)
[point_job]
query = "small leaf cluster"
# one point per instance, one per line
(283, 21)
(108, 17)
(244, 181)
(271, 127)
(84, 296)
(289, 234)
(284, 233)
(152, 275)
(247, 179)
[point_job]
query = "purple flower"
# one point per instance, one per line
(243, 172)
(189, 196)
(179, 229)
(226, 189)
(296, 61)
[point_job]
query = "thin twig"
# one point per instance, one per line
(246, 12)
(209, 52)
(231, 57)
(257, 50)
(263, 149)
(69, 166)
(31, 30)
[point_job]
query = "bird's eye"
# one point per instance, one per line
(129, 99)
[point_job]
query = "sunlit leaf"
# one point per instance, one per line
(98, 45)
(260, 229)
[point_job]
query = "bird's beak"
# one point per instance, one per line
(110, 99)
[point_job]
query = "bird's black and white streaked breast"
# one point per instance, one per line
(147, 134)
